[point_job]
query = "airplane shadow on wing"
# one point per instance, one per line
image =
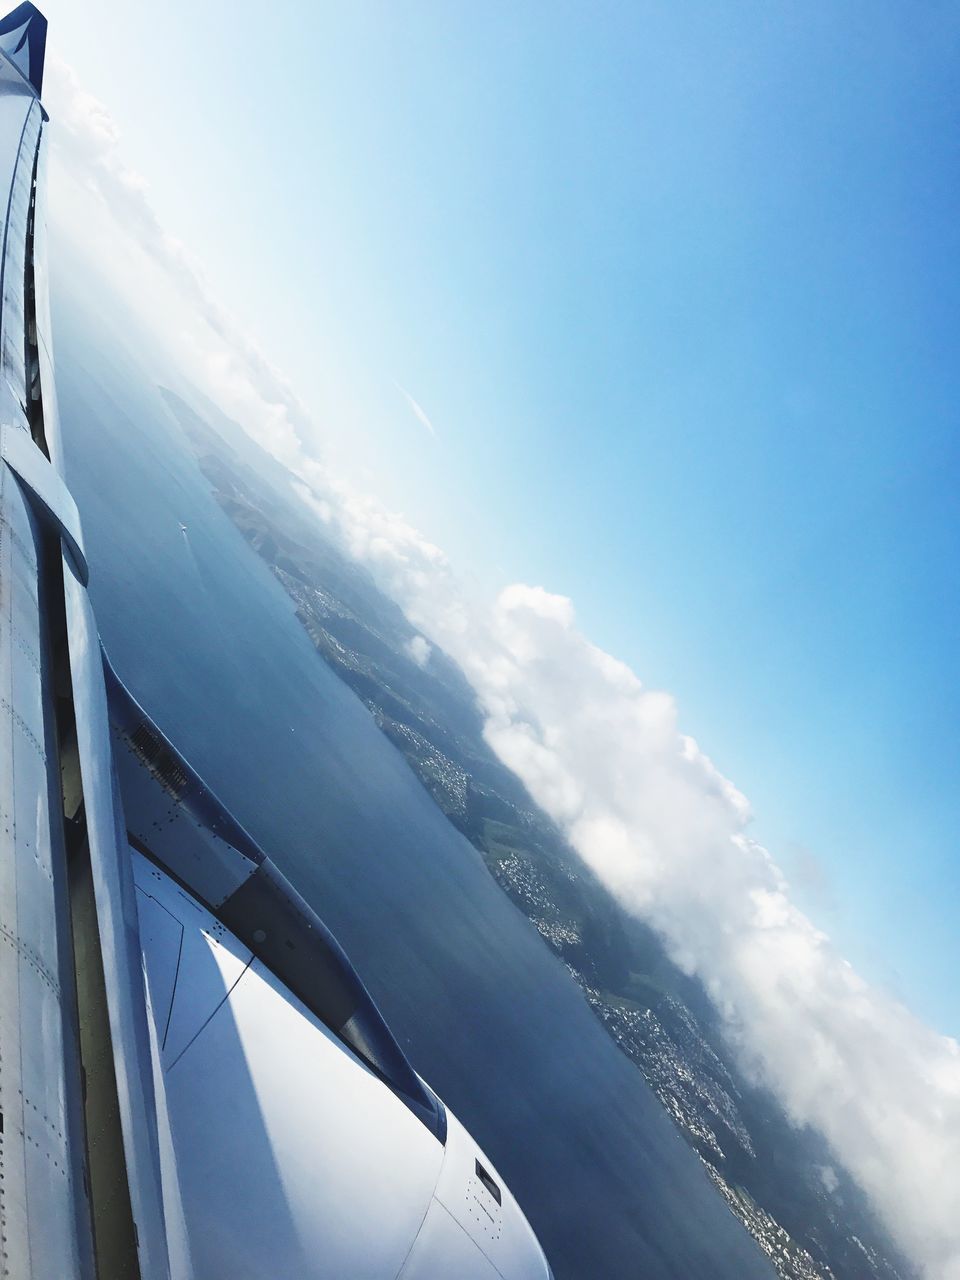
(293, 1157)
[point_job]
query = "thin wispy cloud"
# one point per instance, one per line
(606, 757)
(417, 409)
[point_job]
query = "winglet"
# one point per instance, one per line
(23, 38)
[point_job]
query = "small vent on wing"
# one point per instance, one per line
(159, 759)
(488, 1182)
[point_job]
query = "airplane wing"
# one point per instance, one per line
(194, 1081)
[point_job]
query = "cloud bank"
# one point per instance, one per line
(606, 758)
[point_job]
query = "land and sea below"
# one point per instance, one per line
(207, 639)
(782, 1183)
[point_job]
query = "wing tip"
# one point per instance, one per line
(23, 38)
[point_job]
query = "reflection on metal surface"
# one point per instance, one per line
(284, 1138)
(49, 496)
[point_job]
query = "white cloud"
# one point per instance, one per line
(419, 650)
(605, 756)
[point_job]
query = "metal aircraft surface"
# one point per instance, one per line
(194, 1082)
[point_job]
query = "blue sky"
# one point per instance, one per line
(677, 288)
